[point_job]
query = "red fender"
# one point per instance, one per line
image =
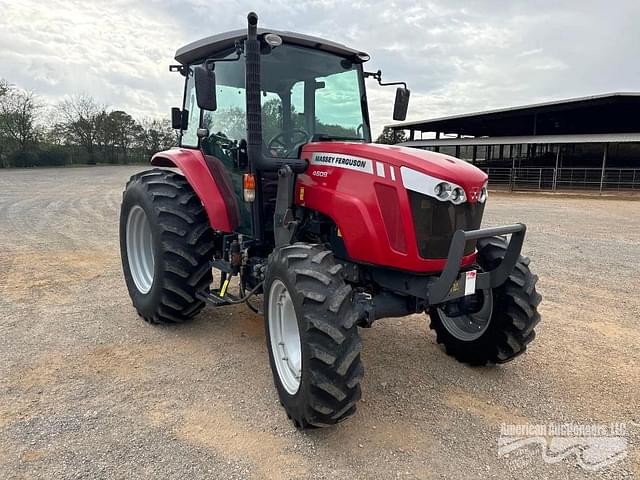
(209, 187)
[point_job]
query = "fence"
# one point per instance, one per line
(59, 155)
(552, 179)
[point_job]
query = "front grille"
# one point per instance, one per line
(435, 223)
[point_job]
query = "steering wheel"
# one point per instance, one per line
(222, 139)
(281, 147)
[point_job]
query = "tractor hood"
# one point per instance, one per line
(405, 161)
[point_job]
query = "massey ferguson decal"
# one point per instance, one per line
(342, 161)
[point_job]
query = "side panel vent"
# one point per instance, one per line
(390, 210)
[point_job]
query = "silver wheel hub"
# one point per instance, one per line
(140, 249)
(470, 326)
(284, 337)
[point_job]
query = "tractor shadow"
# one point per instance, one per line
(403, 363)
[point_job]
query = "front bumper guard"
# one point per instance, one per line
(451, 283)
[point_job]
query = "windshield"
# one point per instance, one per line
(307, 95)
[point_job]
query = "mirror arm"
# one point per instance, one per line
(392, 83)
(378, 76)
(238, 51)
(182, 69)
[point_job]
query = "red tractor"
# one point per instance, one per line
(277, 186)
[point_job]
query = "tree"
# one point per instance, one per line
(336, 130)
(4, 87)
(230, 121)
(79, 124)
(272, 118)
(116, 131)
(125, 131)
(80, 119)
(389, 137)
(156, 135)
(19, 111)
(104, 137)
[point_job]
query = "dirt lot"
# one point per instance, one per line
(87, 390)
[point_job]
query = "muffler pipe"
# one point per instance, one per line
(253, 86)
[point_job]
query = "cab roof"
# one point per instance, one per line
(208, 46)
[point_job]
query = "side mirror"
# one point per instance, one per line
(179, 118)
(401, 104)
(205, 80)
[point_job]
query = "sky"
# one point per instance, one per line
(456, 57)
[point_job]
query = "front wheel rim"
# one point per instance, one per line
(140, 249)
(285, 337)
(471, 326)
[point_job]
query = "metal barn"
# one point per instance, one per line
(589, 143)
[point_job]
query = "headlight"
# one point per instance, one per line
(458, 196)
(434, 187)
(442, 190)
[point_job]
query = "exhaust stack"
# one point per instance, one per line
(253, 86)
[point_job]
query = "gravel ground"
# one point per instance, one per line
(88, 390)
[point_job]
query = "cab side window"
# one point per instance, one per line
(228, 121)
(190, 135)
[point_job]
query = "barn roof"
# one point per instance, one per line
(607, 113)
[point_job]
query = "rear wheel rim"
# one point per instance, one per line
(140, 249)
(471, 326)
(285, 337)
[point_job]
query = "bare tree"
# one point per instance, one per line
(19, 112)
(80, 121)
(4, 88)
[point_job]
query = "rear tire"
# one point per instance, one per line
(330, 369)
(513, 318)
(166, 244)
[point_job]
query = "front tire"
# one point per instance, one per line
(166, 244)
(312, 338)
(511, 309)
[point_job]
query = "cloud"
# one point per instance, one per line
(455, 56)
(113, 51)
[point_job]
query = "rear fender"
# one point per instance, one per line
(192, 164)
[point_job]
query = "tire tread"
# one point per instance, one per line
(186, 242)
(515, 313)
(335, 368)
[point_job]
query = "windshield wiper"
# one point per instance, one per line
(325, 137)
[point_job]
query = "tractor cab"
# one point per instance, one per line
(310, 90)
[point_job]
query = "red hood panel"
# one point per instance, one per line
(361, 188)
(434, 164)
